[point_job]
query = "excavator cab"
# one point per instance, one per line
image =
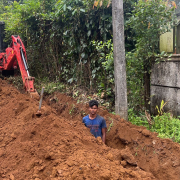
(3, 47)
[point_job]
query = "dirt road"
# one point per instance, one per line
(57, 145)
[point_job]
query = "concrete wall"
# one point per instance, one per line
(166, 42)
(165, 85)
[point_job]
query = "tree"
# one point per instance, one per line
(149, 20)
(119, 59)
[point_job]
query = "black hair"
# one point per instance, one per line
(92, 103)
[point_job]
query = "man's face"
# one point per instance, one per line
(93, 110)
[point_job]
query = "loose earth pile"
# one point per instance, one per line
(56, 145)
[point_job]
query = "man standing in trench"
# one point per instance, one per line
(94, 122)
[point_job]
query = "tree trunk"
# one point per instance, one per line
(147, 88)
(119, 59)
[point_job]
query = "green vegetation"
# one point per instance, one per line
(50, 87)
(111, 124)
(16, 81)
(165, 125)
(160, 109)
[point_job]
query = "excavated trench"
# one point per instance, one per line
(56, 145)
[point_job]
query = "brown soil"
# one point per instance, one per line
(57, 145)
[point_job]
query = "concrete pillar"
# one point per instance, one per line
(119, 59)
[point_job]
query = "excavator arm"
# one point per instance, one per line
(16, 55)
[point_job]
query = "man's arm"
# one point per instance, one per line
(104, 135)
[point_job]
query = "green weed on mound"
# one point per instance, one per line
(165, 125)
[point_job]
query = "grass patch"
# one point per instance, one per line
(165, 125)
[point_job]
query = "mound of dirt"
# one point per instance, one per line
(56, 145)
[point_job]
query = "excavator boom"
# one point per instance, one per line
(14, 56)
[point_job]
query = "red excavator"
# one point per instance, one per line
(14, 56)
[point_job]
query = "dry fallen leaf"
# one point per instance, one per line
(95, 3)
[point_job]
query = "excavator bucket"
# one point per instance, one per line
(29, 86)
(34, 95)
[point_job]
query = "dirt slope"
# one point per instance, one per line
(57, 145)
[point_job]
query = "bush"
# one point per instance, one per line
(165, 125)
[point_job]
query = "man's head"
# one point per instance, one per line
(93, 103)
(93, 107)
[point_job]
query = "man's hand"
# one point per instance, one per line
(104, 135)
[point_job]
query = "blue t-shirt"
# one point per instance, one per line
(95, 125)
